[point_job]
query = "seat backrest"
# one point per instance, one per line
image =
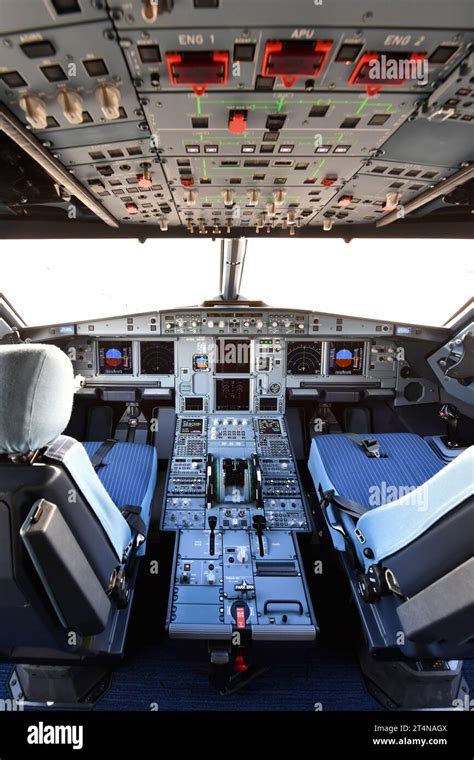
(393, 526)
(36, 394)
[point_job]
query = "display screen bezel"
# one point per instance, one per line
(235, 407)
(334, 372)
(265, 422)
(317, 343)
(147, 344)
(196, 426)
(222, 367)
(114, 343)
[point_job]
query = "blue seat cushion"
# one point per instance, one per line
(338, 463)
(128, 473)
(408, 463)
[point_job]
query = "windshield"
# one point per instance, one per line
(420, 281)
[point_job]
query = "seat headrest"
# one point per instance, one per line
(36, 394)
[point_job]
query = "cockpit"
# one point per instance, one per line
(209, 500)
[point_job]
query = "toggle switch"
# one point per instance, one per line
(163, 224)
(190, 197)
(144, 180)
(150, 10)
(70, 103)
(108, 98)
(279, 197)
(228, 198)
(35, 111)
(252, 196)
(392, 201)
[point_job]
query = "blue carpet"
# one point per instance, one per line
(173, 676)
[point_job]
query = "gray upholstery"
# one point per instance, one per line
(36, 394)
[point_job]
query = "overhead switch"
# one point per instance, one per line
(237, 122)
(70, 103)
(35, 111)
(108, 97)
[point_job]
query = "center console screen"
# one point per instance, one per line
(346, 358)
(115, 357)
(232, 395)
(269, 427)
(192, 426)
(232, 356)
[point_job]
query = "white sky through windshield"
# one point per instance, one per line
(421, 281)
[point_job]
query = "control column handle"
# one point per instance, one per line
(209, 481)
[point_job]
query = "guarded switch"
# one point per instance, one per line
(237, 122)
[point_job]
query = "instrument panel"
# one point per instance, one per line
(242, 359)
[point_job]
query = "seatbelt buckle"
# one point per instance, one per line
(325, 498)
(371, 447)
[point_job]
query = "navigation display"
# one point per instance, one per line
(346, 358)
(191, 426)
(303, 357)
(115, 357)
(157, 357)
(269, 427)
(232, 356)
(232, 395)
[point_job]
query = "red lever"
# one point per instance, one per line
(240, 666)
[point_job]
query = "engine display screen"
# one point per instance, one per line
(157, 357)
(232, 395)
(115, 357)
(192, 426)
(346, 358)
(232, 356)
(269, 427)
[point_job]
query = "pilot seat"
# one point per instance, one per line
(71, 535)
(402, 521)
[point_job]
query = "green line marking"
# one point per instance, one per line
(204, 168)
(321, 163)
(363, 104)
(280, 104)
(198, 105)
